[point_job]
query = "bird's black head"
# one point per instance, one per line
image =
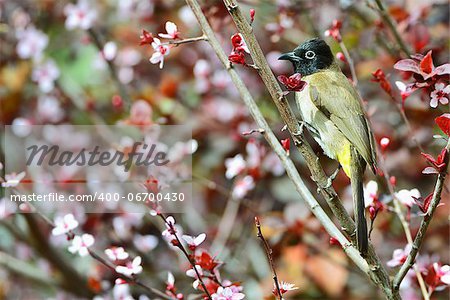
(310, 57)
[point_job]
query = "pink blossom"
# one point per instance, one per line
(407, 196)
(171, 228)
(32, 43)
(170, 281)
(131, 268)
(64, 224)
(399, 256)
(370, 192)
(227, 293)
(234, 166)
(443, 272)
(160, 51)
(81, 244)
(81, 15)
(145, 243)
(192, 273)
(109, 50)
(116, 253)
(21, 127)
(384, 143)
(45, 75)
(255, 152)
(243, 186)
(49, 109)
(13, 179)
(285, 287)
(272, 163)
(193, 242)
(172, 31)
(440, 94)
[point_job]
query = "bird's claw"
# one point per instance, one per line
(332, 177)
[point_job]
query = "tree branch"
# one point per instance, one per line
(269, 257)
(418, 240)
(388, 20)
(376, 271)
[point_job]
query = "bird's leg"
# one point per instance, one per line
(333, 176)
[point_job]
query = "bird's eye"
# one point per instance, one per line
(310, 54)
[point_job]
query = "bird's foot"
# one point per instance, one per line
(333, 177)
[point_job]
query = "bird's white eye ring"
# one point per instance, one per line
(310, 54)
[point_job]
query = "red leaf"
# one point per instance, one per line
(444, 123)
(286, 143)
(145, 38)
(426, 65)
(283, 79)
(293, 82)
(429, 157)
(407, 65)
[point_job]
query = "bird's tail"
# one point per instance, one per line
(358, 166)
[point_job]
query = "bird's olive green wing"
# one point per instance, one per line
(337, 99)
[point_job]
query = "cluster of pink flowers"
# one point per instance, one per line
(205, 269)
(426, 77)
(257, 164)
(161, 50)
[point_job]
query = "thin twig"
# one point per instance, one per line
(180, 246)
(376, 271)
(418, 240)
(269, 257)
(387, 19)
(350, 62)
(186, 41)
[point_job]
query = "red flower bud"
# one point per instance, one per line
(384, 143)
(146, 38)
(341, 57)
(286, 143)
(393, 180)
(293, 82)
(334, 241)
(252, 15)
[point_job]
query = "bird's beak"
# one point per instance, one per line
(289, 56)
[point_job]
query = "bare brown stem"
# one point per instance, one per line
(186, 40)
(269, 257)
(388, 20)
(350, 62)
(180, 246)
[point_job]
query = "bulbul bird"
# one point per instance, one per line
(332, 111)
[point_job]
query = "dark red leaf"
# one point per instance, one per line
(293, 82)
(146, 38)
(237, 58)
(429, 157)
(443, 122)
(426, 65)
